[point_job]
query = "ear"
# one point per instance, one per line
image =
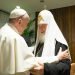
(20, 21)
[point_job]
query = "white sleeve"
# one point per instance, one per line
(47, 59)
(29, 60)
(31, 48)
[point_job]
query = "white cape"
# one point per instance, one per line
(52, 34)
(15, 55)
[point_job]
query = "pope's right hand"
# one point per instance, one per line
(63, 54)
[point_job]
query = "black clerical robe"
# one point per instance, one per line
(60, 68)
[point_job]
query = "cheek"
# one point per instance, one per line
(42, 29)
(24, 24)
(45, 28)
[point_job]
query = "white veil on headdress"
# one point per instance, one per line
(52, 34)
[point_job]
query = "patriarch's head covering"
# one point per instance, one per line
(41, 22)
(52, 34)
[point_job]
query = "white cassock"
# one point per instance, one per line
(15, 55)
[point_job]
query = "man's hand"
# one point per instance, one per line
(63, 54)
(38, 70)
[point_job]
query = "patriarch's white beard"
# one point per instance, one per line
(41, 37)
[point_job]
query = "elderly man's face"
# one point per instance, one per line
(42, 28)
(25, 22)
(22, 24)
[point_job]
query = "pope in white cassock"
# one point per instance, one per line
(14, 51)
(16, 57)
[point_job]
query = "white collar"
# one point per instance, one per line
(14, 28)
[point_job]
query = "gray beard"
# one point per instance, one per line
(41, 37)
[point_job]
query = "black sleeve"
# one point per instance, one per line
(60, 68)
(64, 47)
(50, 69)
(58, 45)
